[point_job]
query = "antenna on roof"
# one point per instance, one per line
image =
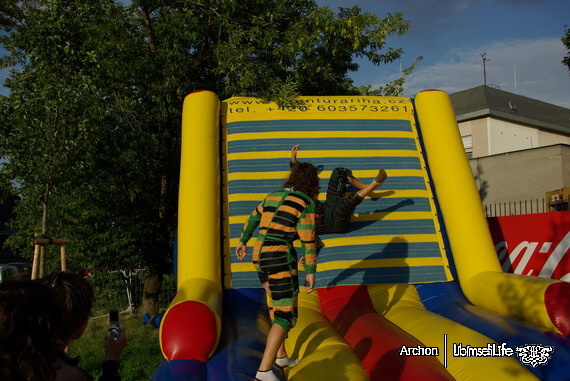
(485, 59)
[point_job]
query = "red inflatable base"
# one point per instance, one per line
(376, 341)
(557, 300)
(189, 332)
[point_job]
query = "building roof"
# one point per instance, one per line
(485, 101)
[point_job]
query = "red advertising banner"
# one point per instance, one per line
(533, 244)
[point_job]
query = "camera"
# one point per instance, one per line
(114, 325)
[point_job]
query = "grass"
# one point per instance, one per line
(139, 360)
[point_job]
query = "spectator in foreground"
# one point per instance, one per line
(29, 322)
(75, 296)
(38, 319)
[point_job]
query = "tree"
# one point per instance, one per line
(71, 150)
(91, 125)
(9, 13)
(566, 41)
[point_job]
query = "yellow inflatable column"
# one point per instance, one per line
(479, 272)
(191, 326)
(199, 199)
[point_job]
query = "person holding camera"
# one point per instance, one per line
(38, 319)
(75, 297)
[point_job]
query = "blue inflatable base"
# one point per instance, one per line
(447, 299)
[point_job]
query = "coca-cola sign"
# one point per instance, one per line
(533, 244)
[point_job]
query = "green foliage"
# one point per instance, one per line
(9, 13)
(394, 88)
(6, 189)
(75, 128)
(91, 126)
(566, 41)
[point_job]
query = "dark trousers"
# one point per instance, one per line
(338, 206)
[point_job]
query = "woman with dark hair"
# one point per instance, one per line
(29, 321)
(304, 178)
(74, 295)
(38, 318)
(283, 216)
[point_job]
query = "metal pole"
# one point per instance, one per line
(485, 59)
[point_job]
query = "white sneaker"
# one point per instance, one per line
(286, 362)
(267, 375)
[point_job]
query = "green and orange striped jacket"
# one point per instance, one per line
(285, 215)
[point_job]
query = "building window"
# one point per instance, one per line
(468, 145)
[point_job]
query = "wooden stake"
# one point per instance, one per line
(63, 258)
(36, 262)
(47, 241)
(40, 246)
(42, 266)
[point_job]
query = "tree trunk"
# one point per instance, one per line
(151, 290)
(153, 282)
(43, 248)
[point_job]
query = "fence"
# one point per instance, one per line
(124, 290)
(513, 208)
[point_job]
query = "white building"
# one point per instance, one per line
(519, 148)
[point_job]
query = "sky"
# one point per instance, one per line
(521, 40)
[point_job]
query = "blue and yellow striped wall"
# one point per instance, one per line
(394, 236)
